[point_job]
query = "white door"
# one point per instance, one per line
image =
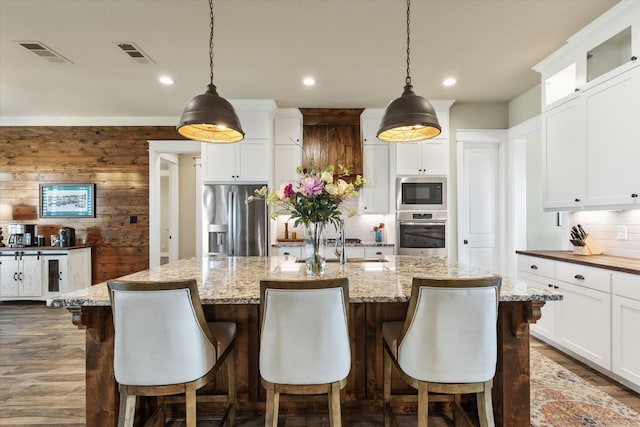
(479, 199)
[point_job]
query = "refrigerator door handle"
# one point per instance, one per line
(232, 224)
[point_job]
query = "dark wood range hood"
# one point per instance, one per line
(331, 136)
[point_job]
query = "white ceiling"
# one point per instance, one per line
(263, 48)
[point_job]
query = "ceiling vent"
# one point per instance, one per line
(45, 52)
(135, 53)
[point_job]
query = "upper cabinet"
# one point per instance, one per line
(288, 145)
(428, 157)
(590, 100)
(608, 46)
(374, 196)
(250, 159)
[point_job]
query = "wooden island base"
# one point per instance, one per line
(363, 393)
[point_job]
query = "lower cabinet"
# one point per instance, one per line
(625, 322)
(27, 274)
(598, 319)
(352, 251)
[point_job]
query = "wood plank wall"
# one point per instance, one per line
(116, 159)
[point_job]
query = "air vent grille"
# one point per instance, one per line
(45, 52)
(135, 53)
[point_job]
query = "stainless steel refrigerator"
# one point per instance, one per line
(235, 226)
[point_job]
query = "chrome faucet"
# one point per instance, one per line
(340, 251)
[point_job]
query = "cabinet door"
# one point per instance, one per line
(408, 158)
(288, 131)
(286, 159)
(374, 196)
(254, 159)
(369, 129)
(584, 323)
(564, 156)
(376, 251)
(255, 124)
(9, 283)
(31, 276)
(434, 155)
(613, 141)
(219, 162)
(545, 327)
(626, 344)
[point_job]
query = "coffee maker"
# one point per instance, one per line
(21, 235)
(67, 237)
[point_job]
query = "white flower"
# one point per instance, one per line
(326, 177)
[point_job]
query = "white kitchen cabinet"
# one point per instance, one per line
(244, 161)
(21, 274)
(583, 323)
(39, 274)
(295, 251)
(540, 272)
(352, 252)
(377, 251)
(286, 159)
(429, 157)
(288, 131)
(374, 196)
(625, 327)
(613, 141)
(564, 156)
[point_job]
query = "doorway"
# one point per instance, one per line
(166, 200)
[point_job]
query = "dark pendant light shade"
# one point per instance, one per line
(410, 117)
(210, 118)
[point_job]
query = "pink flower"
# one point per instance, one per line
(288, 191)
(311, 186)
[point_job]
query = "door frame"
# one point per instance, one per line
(486, 137)
(156, 150)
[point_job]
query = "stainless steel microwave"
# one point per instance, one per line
(421, 193)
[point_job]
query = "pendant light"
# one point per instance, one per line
(410, 117)
(209, 117)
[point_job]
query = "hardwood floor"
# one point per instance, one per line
(42, 374)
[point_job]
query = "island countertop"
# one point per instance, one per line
(235, 280)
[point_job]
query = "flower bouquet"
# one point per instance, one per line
(313, 200)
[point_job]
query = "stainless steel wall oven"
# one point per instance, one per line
(422, 233)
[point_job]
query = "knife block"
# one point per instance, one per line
(590, 247)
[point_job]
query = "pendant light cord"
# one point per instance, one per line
(211, 42)
(408, 78)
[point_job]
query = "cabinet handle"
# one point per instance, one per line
(577, 200)
(534, 267)
(579, 277)
(15, 276)
(550, 285)
(466, 242)
(634, 195)
(633, 58)
(60, 275)
(378, 253)
(286, 253)
(556, 287)
(20, 276)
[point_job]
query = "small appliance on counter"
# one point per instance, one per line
(21, 235)
(67, 237)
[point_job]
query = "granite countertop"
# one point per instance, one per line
(236, 280)
(616, 263)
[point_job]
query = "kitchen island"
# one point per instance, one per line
(378, 292)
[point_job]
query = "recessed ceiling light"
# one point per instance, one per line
(449, 81)
(166, 80)
(309, 81)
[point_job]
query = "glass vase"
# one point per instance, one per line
(315, 243)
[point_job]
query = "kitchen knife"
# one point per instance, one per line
(575, 230)
(582, 232)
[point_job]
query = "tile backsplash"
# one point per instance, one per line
(603, 227)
